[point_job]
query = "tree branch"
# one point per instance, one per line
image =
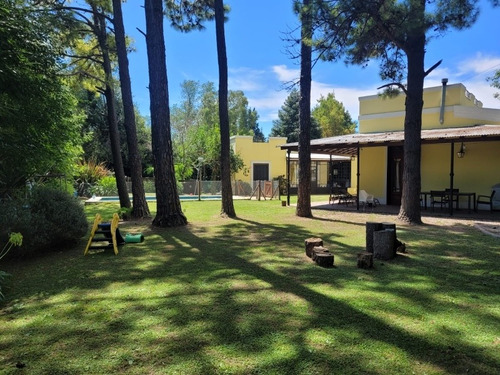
(428, 71)
(400, 85)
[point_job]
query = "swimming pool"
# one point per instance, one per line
(153, 198)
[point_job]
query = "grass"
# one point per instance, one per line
(223, 296)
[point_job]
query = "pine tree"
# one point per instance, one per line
(397, 33)
(168, 206)
(287, 124)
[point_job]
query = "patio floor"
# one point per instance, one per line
(464, 214)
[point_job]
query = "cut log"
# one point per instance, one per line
(324, 259)
(365, 260)
(389, 226)
(318, 250)
(400, 246)
(371, 227)
(384, 244)
(311, 243)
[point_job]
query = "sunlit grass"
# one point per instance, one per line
(239, 296)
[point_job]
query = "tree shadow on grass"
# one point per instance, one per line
(325, 313)
(244, 299)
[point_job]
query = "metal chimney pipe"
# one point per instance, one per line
(444, 81)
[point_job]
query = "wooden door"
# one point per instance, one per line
(395, 164)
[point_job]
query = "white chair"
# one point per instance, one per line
(367, 199)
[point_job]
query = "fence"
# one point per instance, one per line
(259, 189)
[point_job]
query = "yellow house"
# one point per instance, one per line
(264, 161)
(460, 145)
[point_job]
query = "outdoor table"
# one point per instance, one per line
(471, 199)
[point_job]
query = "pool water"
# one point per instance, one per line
(153, 198)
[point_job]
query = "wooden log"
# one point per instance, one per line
(384, 244)
(371, 227)
(318, 250)
(365, 260)
(311, 243)
(399, 246)
(324, 259)
(389, 226)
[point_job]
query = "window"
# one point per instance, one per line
(260, 172)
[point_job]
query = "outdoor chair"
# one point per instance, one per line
(337, 193)
(486, 199)
(367, 199)
(439, 197)
(454, 198)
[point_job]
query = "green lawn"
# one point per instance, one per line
(223, 296)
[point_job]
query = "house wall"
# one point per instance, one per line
(372, 174)
(379, 114)
(476, 172)
(259, 152)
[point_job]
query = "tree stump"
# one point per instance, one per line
(311, 243)
(318, 250)
(322, 257)
(371, 227)
(384, 242)
(365, 260)
(389, 226)
(400, 246)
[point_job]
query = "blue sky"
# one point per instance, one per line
(259, 64)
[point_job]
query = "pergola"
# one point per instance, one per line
(350, 144)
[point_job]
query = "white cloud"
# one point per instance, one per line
(285, 74)
(246, 79)
(473, 74)
(479, 65)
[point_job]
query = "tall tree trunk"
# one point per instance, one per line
(114, 134)
(304, 187)
(169, 211)
(140, 205)
(410, 198)
(225, 153)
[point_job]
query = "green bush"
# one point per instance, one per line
(3, 280)
(87, 175)
(105, 187)
(15, 239)
(149, 185)
(49, 220)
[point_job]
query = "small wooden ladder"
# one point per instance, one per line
(109, 233)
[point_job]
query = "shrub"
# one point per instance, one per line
(149, 185)
(49, 220)
(3, 279)
(15, 239)
(125, 213)
(105, 187)
(88, 174)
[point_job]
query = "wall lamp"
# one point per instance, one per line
(461, 152)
